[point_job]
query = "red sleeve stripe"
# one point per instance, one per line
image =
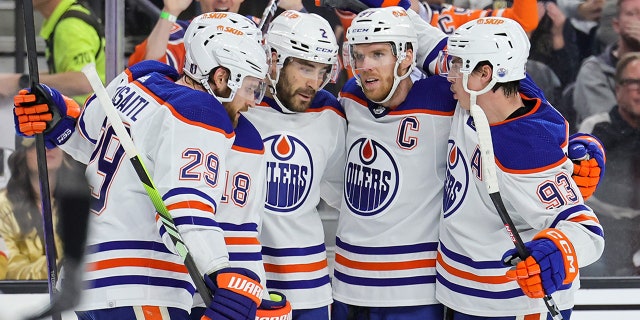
(293, 268)
(137, 262)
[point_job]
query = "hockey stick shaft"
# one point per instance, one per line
(41, 154)
(127, 143)
(490, 178)
(353, 5)
(267, 15)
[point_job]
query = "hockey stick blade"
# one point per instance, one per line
(490, 178)
(127, 143)
(267, 15)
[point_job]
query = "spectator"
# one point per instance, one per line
(20, 217)
(165, 42)
(4, 255)
(584, 16)
(74, 37)
(595, 85)
(553, 43)
(617, 199)
(553, 60)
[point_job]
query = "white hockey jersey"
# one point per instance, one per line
(183, 137)
(242, 204)
(305, 160)
(387, 231)
(536, 185)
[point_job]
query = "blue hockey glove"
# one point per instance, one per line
(552, 263)
(277, 307)
(387, 3)
(588, 156)
(45, 111)
(357, 6)
(237, 292)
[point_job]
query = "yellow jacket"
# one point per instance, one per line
(26, 257)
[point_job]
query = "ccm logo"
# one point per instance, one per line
(566, 247)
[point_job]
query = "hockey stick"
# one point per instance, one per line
(267, 15)
(490, 178)
(41, 153)
(129, 148)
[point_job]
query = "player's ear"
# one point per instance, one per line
(486, 72)
(408, 60)
(219, 77)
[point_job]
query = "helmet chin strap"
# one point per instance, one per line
(396, 80)
(274, 93)
(473, 94)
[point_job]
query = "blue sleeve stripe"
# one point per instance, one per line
(386, 282)
(251, 227)
(190, 191)
(565, 214)
(393, 250)
(198, 221)
(279, 252)
(468, 261)
(298, 284)
(140, 280)
(245, 256)
(127, 245)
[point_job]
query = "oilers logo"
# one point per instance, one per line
(289, 173)
(371, 178)
(456, 181)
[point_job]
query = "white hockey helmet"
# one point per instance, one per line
(305, 36)
(501, 41)
(226, 20)
(380, 25)
(241, 55)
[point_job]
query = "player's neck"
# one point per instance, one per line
(497, 106)
(402, 90)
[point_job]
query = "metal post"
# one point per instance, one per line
(114, 36)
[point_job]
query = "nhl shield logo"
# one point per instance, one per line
(456, 181)
(371, 178)
(289, 173)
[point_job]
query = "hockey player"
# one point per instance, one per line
(487, 63)
(387, 233)
(182, 127)
(242, 204)
(303, 130)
